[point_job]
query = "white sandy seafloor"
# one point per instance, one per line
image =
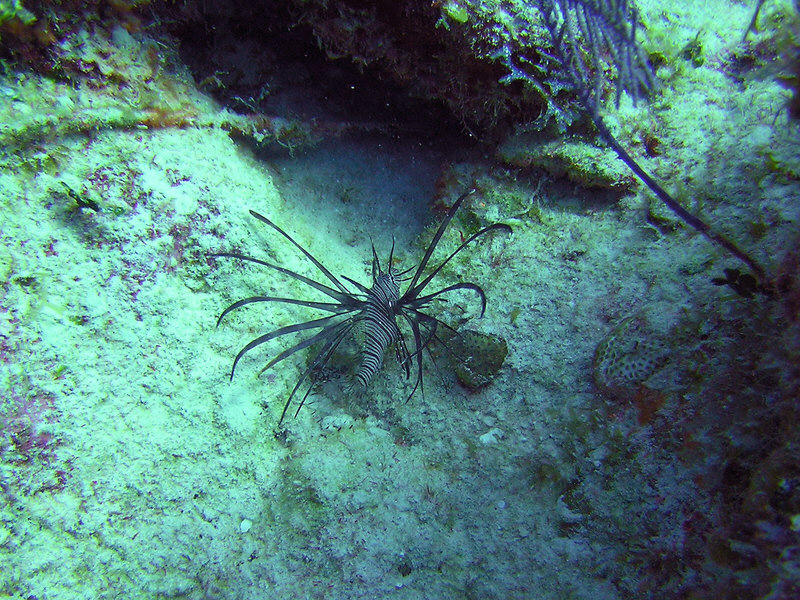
(154, 476)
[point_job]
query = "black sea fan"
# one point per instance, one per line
(375, 309)
(583, 34)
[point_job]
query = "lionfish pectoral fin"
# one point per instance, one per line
(305, 252)
(323, 322)
(414, 289)
(336, 333)
(437, 236)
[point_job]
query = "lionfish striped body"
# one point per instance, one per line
(381, 328)
(375, 309)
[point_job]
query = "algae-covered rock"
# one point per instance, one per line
(575, 159)
(477, 357)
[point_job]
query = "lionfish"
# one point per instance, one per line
(376, 309)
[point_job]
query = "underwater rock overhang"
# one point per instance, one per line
(390, 62)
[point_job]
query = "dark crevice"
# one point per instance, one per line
(262, 59)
